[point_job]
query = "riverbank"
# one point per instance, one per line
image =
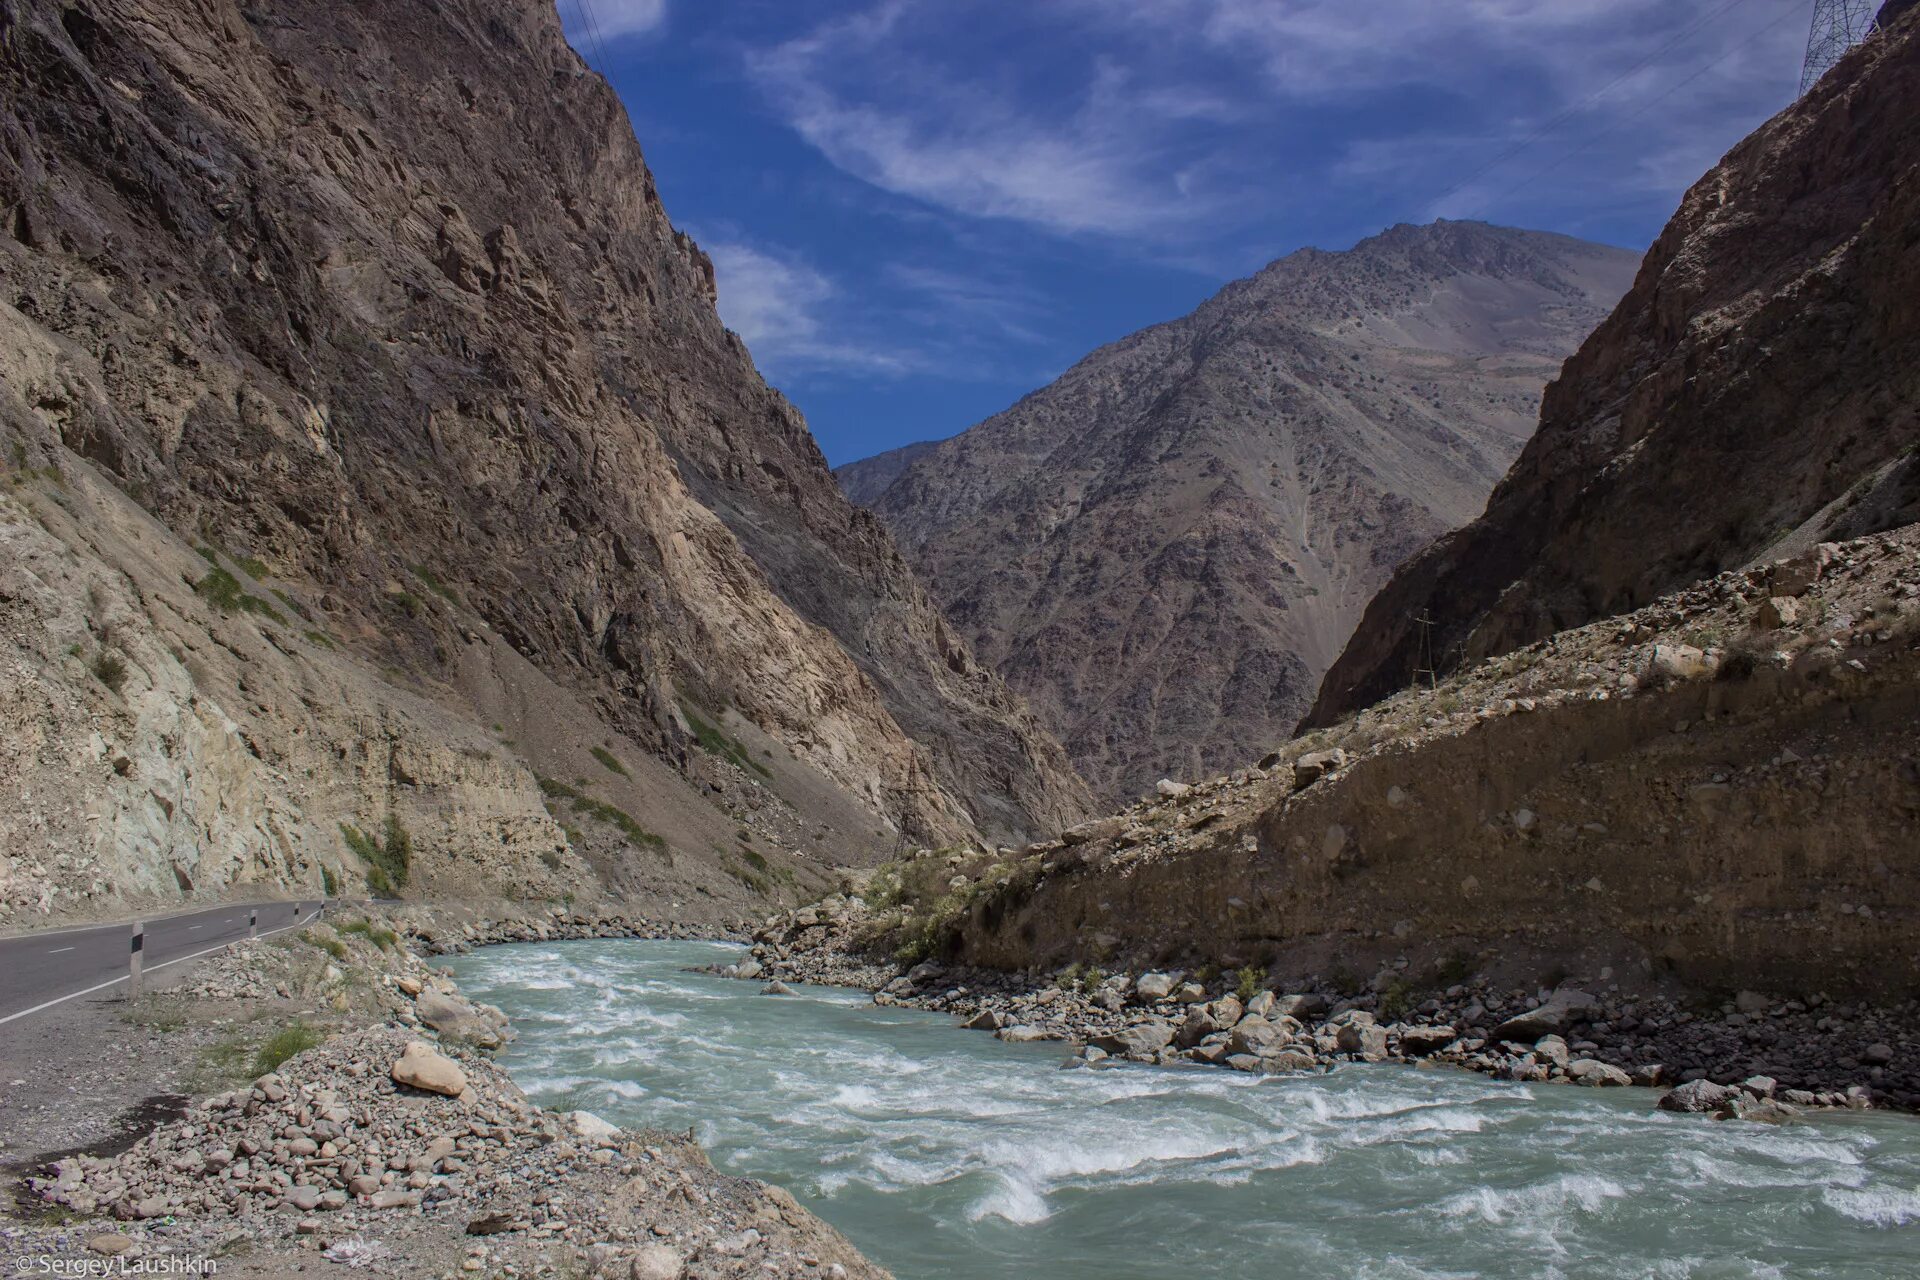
(330, 1095)
(1755, 1056)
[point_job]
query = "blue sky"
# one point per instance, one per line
(920, 210)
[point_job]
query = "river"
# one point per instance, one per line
(949, 1154)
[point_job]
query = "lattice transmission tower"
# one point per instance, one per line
(1838, 25)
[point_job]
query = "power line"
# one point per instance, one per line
(1575, 109)
(1653, 102)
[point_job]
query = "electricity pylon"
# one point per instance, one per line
(1838, 25)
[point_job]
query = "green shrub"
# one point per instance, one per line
(606, 758)
(1251, 979)
(332, 946)
(223, 591)
(329, 883)
(389, 862)
(383, 938)
(715, 742)
(110, 669)
(434, 584)
(294, 1038)
(319, 638)
(615, 817)
(1396, 1001)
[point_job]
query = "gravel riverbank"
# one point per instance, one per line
(1755, 1056)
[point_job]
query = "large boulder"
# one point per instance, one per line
(457, 1019)
(1155, 986)
(1256, 1036)
(1363, 1040)
(1418, 1042)
(1141, 1040)
(420, 1066)
(1562, 1010)
(1696, 1097)
(1591, 1071)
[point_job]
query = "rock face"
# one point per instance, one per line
(1164, 549)
(378, 308)
(1752, 395)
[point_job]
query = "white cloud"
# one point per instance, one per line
(777, 304)
(895, 120)
(591, 21)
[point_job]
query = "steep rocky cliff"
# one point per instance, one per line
(1754, 393)
(1165, 549)
(376, 307)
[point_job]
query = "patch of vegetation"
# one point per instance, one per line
(329, 883)
(223, 591)
(383, 938)
(406, 602)
(1248, 982)
(1456, 968)
(296, 1037)
(332, 946)
(609, 814)
(389, 861)
(1396, 999)
(110, 669)
(434, 584)
(255, 569)
(1084, 978)
(320, 638)
(715, 742)
(607, 760)
(551, 858)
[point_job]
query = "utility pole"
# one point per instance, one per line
(1838, 25)
(1426, 667)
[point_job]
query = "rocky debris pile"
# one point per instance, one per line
(435, 935)
(1813, 1053)
(378, 1145)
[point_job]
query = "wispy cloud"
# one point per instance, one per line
(590, 21)
(779, 305)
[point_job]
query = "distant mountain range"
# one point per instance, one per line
(1166, 548)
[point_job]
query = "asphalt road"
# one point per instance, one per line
(40, 970)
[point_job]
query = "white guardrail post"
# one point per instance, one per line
(134, 960)
(253, 922)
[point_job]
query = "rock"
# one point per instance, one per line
(395, 1198)
(1155, 986)
(1142, 1039)
(1778, 613)
(776, 988)
(1091, 832)
(1591, 1071)
(1168, 789)
(152, 1207)
(422, 1068)
(1190, 993)
(1302, 1006)
(1199, 1025)
(1751, 1002)
(1760, 1086)
(1418, 1042)
(407, 986)
(456, 1019)
(1649, 1075)
(1696, 1096)
(363, 1184)
(591, 1127)
(302, 1147)
(1290, 1060)
(1552, 1049)
(748, 968)
(1262, 1004)
(985, 1020)
(1315, 765)
(1758, 1110)
(110, 1243)
(1363, 1040)
(658, 1262)
(1564, 1008)
(1023, 1034)
(1256, 1036)
(1680, 662)
(1877, 1055)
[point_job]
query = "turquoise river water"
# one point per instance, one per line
(947, 1153)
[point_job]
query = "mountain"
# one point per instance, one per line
(1164, 549)
(374, 455)
(1752, 395)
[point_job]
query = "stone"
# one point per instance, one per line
(1190, 993)
(1168, 789)
(1021, 1033)
(985, 1020)
(1256, 1036)
(1155, 986)
(1142, 1039)
(394, 1198)
(110, 1243)
(303, 1147)
(1363, 1040)
(1418, 1042)
(1315, 765)
(152, 1207)
(422, 1068)
(408, 986)
(658, 1262)
(1760, 1086)
(1696, 1096)
(362, 1184)
(1591, 1071)
(587, 1125)
(1877, 1055)
(1290, 1060)
(1262, 1004)
(1680, 662)
(1561, 1010)
(1302, 1006)
(457, 1019)
(1551, 1049)
(305, 1198)
(1091, 832)
(1778, 613)
(776, 988)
